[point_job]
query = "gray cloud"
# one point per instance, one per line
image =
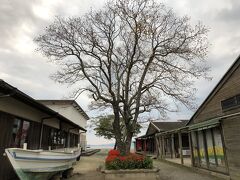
(13, 14)
(230, 14)
(21, 21)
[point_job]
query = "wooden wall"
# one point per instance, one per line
(46, 141)
(213, 107)
(231, 131)
(33, 136)
(230, 126)
(6, 123)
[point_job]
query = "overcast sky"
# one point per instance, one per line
(24, 68)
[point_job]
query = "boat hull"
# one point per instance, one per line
(39, 164)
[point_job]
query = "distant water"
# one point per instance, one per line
(105, 146)
(101, 146)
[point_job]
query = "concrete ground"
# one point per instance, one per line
(88, 168)
(169, 171)
(187, 161)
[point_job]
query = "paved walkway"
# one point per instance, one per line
(187, 161)
(178, 172)
(88, 168)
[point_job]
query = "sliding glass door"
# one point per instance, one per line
(202, 149)
(208, 150)
(19, 132)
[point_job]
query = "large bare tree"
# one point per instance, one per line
(135, 56)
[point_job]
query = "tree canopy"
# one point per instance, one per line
(103, 127)
(135, 55)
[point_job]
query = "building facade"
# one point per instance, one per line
(24, 120)
(153, 143)
(71, 110)
(214, 128)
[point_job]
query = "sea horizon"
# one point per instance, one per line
(105, 146)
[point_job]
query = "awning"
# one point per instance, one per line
(205, 125)
(146, 136)
(174, 131)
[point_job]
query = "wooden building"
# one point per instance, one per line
(215, 127)
(149, 143)
(213, 131)
(24, 120)
(71, 110)
(173, 144)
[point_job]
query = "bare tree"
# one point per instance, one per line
(134, 54)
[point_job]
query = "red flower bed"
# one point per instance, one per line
(111, 158)
(113, 152)
(131, 161)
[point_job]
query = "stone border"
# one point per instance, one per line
(131, 174)
(130, 171)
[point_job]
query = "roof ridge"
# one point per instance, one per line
(221, 82)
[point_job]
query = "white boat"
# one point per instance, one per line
(41, 164)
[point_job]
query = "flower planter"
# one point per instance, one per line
(132, 174)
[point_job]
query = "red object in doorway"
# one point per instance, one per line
(138, 145)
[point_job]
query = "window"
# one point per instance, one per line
(231, 102)
(195, 148)
(208, 149)
(218, 147)
(238, 99)
(228, 103)
(24, 134)
(74, 140)
(19, 132)
(202, 152)
(16, 132)
(57, 138)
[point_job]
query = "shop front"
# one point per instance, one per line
(208, 150)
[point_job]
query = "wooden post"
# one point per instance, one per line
(191, 148)
(173, 148)
(198, 149)
(214, 150)
(180, 146)
(163, 146)
(145, 145)
(205, 148)
(68, 138)
(41, 130)
(224, 147)
(157, 146)
(41, 134)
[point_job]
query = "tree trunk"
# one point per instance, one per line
(121, 146)
(117, 130)
(128, 142)
(115, 145)
(123, 139)
(125, 146)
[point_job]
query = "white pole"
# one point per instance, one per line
(25, 146)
